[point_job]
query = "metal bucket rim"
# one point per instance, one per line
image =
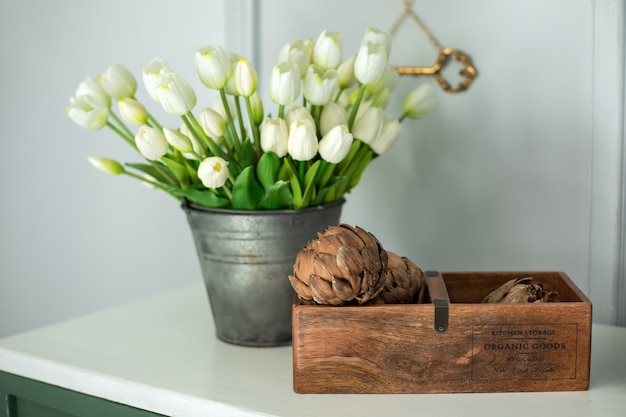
(187, 206)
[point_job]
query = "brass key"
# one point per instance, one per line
(468, 72)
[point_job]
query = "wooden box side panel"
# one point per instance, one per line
(486, 348)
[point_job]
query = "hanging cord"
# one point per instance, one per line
(468, 72)
(407, 10)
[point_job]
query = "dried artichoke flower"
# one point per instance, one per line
(344, 264)
(521, 291)
(405, 282)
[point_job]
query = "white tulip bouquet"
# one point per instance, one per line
(329, 123)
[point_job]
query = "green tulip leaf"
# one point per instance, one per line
(288, 173)
(309, 185)
(247, 192)
(179, 170)
(359, 168)
(151, 171)
(267, 169)
(330, 193)
(278, 196)
(247, 155)
(200, 197)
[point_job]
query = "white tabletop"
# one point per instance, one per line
(160, 354)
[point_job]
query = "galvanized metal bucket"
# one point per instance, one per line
(245, 257)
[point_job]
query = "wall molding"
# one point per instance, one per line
(606, 237)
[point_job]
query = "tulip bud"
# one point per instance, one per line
(177, 140)
(302, 142)
(132, 111)
(274, 136)
(152, 74)
(367, 127)
(370, 63)
(335, 145)
(244, 79)
(420, 101)
(91, 87)
(175, 94)
(256, 106)
(214, 66)
(212, 123)
(389, 134)
(299, 53)
(320, 85)
(118, 82)
(213, 172)
(285, 83)
(328, 50)
(151, 143)
(107, 165)
(332, 115)
(346, 73)
(88, 112)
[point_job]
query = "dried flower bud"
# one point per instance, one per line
(343, 264)
(521, 291)
(404, 283)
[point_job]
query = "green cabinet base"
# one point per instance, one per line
(23, 397)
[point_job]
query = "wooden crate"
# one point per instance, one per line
(451, 343)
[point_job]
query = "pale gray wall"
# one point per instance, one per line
(73, 239)
(498, 178)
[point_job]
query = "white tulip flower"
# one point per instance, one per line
(175, 94)
(370, 63)
(178, 140)
(375, 35)
(213, 124)
(151, 76)
(367, 127)
(118, 82)
(420, 102)
(297, 52)
(285, 83)
(302, 142)
(298, 113)
(346, 73)
(328, 50)
(336, 144)
(332, 115)
(132, 111)
(88, 112)
(389, 134)
(92, 87)
(151, 143)
(213, 172)
(274, 136)
(319, 85)
(244, 79)
(214, 66)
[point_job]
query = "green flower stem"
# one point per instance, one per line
(281, 111)
(301, 172)
(355, 108)
(242, 128)
(316, 112)
(320, 171)
(129, 139)
(121, 124)
(155, 184)
(154, 121)
(196, 130)
(230, 124)
(404, 116)
(339, 91)
(254, 128)
(172, 180)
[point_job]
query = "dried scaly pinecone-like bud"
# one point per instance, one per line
(343, 264)
(521, 291)
(404, 283)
